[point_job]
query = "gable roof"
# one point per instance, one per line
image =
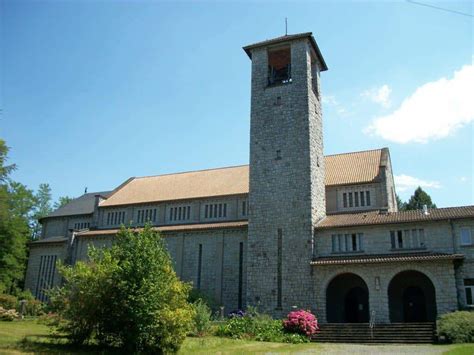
(80, 205)
(376, 217)
(341, 169)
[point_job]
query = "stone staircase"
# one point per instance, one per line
(414, 333)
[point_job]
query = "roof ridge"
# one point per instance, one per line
(356, 152)
(190, 171)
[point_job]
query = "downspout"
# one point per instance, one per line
(456, 265)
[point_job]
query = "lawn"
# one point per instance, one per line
(27, 337)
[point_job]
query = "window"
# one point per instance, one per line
(81, 225)
(407, 239)
(216, 210)
(180, 213)
(146, 215)
(244, 208)
(46, 274)
(356, 199)
(115, 218)
(466, 236)
(469, 290)
(350, 242)
(279, 66)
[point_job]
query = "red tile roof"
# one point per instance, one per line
(376, 217)
(384, 258)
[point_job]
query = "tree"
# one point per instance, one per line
(16, 203)
(62, 201)
(42, 208)
(402, 206)
(418, 199)
(5, 170)
(126, 296)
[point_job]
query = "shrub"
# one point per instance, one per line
(8, 314)
(253, 325)
(8, 301)
(301, 322)
(127, 296)
(196, 295)
(457, 327)
(202, 318)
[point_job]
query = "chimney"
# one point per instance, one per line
(425, 210)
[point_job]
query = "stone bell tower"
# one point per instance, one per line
(287, 192)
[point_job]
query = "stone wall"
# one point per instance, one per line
(441, 274)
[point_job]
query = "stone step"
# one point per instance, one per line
(381, 333)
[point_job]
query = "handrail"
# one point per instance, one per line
(372, 323)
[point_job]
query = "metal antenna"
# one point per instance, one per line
(286, 26)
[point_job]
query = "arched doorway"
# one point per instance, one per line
(347, 300)
(411, 298)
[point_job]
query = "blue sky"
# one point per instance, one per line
(94, 92)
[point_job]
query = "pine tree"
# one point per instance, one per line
(418, 199)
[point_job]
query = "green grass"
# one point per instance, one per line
(29, 336)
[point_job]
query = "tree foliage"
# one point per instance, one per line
(42, 208)
(126, 296)
(402, 206)
(418, 199)
(16, 202)
(62, 201)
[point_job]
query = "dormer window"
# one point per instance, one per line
(279, 66)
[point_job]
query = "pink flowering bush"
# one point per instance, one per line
(301, 322)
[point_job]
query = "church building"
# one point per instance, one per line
(294, 228)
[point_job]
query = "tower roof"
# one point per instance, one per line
(248, 49)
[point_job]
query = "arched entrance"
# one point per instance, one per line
(347, 300)
(411, 298)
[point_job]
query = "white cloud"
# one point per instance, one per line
(379, 95)
(406, 182)
(435, 110)
(463, 179)
(331, 100)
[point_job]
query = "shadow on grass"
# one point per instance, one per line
(55, 344)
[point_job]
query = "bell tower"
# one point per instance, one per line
(287, 191)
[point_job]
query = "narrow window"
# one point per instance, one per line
(220, 209)
(362, 199)
(189, 212)
(199, 267)
(344, 200)
(206, 210)
(354, 242)
(175, 217)
(225, 209)
(414, 238)
(179, 213)
(171, 214)
(244, 210)
(334, 243)
(399, 239)
(108, 218)
(421, 237)
(466, 236)
(279, 268)
(115, 217)
(350, 199)
(469, 289)
(356, 199)
(406, 238)
(215, 211)
(241, 273)
(361, 241)
(154, 215)
(392, 239)
(367, 198)
(342, 243)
